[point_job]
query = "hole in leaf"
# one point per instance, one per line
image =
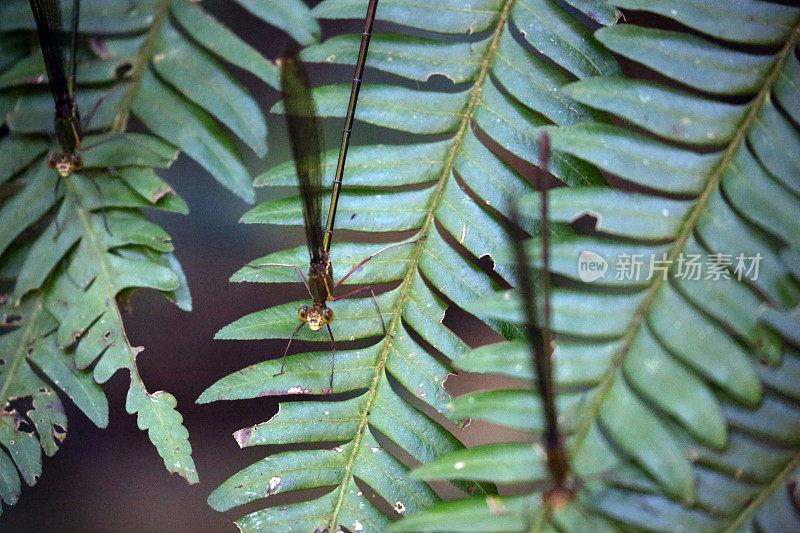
(586, 224)
(123, 70)
(19, 407)
(12, 320)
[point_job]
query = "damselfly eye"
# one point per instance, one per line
(327, 314)
(303, 313)
(52, 161)
(77, 161)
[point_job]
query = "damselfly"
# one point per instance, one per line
(68, 126)
(540, 336)
(304, 136)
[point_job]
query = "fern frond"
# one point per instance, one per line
(501, 87)
(65, 258)
(676, 397)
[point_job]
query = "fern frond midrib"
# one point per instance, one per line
(764, 495)
(105, 277)
(120, 124)
(684, 233)
(139, 66)
(90, 239)
(405, 287)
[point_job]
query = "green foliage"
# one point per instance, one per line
(678, 397)
(162, 62)
(397, 405)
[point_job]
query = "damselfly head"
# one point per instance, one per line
(315, 317)
(65, 163)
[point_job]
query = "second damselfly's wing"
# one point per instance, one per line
(301, 120)
(540, 337)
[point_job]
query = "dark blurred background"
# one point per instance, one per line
(113, 479)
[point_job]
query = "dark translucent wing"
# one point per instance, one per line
(48, 24)
(73, 67)
(536, 333)
(539, 327)
(301, 119)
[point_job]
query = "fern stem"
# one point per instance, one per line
(141, 64)
(684, 233)
(405, 287)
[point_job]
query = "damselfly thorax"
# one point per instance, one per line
(320, 285)
(69, 134)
